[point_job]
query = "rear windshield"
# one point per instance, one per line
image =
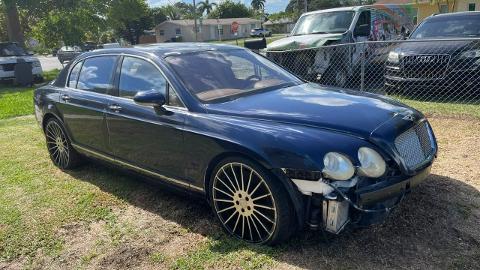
(11, 49)
(444, 27)
(212, 75)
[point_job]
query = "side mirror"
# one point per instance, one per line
(406, 34)
(150, 98)
(362, 30)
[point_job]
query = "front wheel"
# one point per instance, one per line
(59, 147)
(249, 204)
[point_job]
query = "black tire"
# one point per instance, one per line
(59, 147)
(259, 201)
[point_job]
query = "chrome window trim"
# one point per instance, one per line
(136, 168)
(122, 54)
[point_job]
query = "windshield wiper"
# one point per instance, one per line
(319, 32)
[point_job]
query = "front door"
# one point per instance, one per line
(84, 100)
(144, 136)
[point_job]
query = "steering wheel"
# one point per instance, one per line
(254, 76)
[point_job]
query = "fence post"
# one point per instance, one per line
(362, 69)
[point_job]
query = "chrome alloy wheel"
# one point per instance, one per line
(57, 144)
(244, 203)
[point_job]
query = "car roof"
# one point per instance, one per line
(461, 14)
(354, 8)
(166, 49)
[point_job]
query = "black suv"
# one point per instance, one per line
(442, 53)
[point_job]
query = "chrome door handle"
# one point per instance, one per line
(66, 97)
(114, 107)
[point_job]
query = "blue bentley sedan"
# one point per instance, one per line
(271, 153)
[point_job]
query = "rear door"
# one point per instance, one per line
(84, 101)
(144, 136)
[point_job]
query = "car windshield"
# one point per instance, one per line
(211, 75)
(323, 23)
(11, 49)
(443, 27)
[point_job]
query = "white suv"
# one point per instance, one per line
(10, 55)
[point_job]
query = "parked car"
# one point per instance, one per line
(89, 46)
(427, 64)
(260, 32)
(303, 51)
(68, 53)
(12, 57)
(110, 45)
(270, 153)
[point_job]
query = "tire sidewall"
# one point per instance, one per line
(283, 205)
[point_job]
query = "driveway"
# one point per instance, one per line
(49, 62)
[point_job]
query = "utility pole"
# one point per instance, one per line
(195, 20)
(304, 3)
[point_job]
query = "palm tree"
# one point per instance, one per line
(206, 6)
(258, 4)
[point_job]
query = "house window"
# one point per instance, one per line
(471, 7)
(178, 31)
(443, 8)
(220, 31)
(162, 32)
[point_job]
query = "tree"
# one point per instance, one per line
(230, 9)
(158, 15)
(297, 6)
(129, 19)
(206, 6)
(258, 4)
(14, 29)
(187, 11)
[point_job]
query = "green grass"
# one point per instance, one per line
(36, 199)
(444, 108)
(17, 101)
(241, 41)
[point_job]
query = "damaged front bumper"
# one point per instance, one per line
(334, 205)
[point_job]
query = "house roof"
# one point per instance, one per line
(227, 21)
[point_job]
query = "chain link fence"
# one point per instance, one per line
(424, 70)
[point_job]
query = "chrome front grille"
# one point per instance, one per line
(415, 145)
(425, 66)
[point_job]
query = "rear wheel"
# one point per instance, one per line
(59, 147)
(249, 204)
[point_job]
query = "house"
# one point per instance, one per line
(426, 8)
(280, 26)
(208, 29)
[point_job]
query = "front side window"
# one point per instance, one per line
(456, 26)
(96, 74)
(72, 81)
(138, 75)
(324, 23)
(212, 75)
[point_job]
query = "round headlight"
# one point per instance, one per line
(371, 163)
(337, 166)
(393, 57)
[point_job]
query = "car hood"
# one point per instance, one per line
(433, 47)
(312, 105)
(302, 42)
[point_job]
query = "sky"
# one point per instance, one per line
(271, 6)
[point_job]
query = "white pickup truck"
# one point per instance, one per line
(11, 55)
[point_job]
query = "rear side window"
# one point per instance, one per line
(72, 80)
(96, 74)
(139, 75)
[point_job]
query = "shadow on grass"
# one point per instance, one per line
(436, 227)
